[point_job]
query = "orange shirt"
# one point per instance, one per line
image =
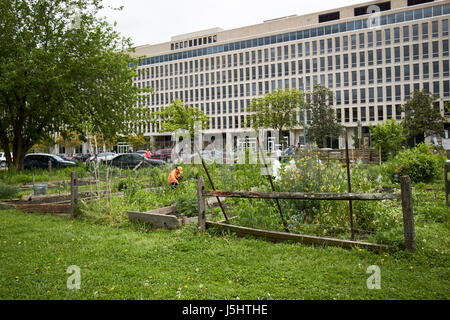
(173, 176)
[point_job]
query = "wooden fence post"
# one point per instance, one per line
(408, 213)
(201, 205)
(73, 192)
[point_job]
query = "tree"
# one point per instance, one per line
(136, 141)
(45, 144)
(62, 69)
(389, 136)
(323, 119)
(70, 140)
(277, 110)
(421, 117)
(179, 116)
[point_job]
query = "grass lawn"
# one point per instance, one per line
(36, 250)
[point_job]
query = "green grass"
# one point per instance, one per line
(36, 250)
(26, 177)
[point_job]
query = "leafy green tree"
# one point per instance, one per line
(389, 136)
(179, 116)
(323, 119)
(422, 118)
(61, 69)
(276, 110)
(137, 141)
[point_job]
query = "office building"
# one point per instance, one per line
(372, 56)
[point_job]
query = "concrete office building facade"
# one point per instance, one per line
(372, 58)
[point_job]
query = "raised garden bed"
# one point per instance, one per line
(167, 217)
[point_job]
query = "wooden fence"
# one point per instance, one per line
(407, 208)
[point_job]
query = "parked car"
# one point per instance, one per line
(162, 154)
(81, 156)
(67, 158)
(104, 157)
(85, 156)
(141, 152)
(3, 163)
(40, 161)
(131, 160)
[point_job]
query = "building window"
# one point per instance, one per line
(387, 36)
(426, 70)
(425, 31)
(405, 33)
(425, 50)
(380, 113)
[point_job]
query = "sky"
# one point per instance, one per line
(152, 22)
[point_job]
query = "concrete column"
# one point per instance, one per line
(292, 138)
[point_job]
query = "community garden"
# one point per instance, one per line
(104, 217)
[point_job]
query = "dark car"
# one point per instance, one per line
(81, 157)
(131, 160)
(66, 158)
(141, 152)
(162, 154)
(40, 161)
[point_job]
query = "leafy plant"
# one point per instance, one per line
(7, 191)
(187, 204)
(389, 136)
(420, 163)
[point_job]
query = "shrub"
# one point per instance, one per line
(420, 163)
(389, 136)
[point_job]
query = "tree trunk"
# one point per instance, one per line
(280, 139)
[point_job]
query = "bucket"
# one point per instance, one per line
(40, 189)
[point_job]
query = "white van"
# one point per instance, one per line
(3, 163)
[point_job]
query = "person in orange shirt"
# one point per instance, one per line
(148, 154)
(174, 175)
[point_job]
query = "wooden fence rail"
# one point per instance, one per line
(405, 196)
(302, 195)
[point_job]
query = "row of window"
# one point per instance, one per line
(390, 19)
(378, 94)
(193, 42)
(343, 115)
(276, 54)
(405, 72)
